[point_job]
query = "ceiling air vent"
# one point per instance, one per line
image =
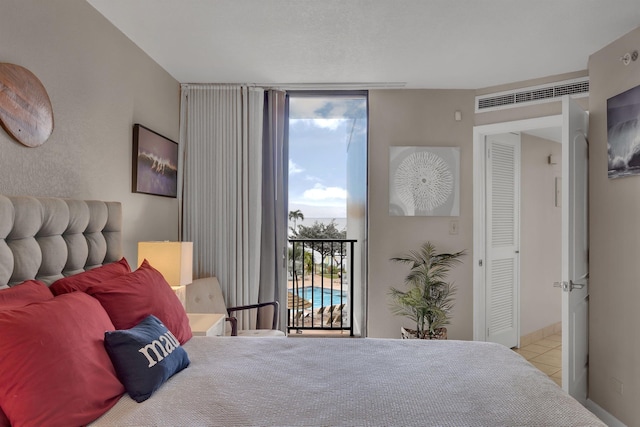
(532, 95)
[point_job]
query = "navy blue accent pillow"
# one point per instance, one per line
(145, 356)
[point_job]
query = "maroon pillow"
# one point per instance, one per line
(131, 298)
(23, 294)
(81, 281)
(54, 367)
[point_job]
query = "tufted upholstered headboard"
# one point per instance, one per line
(49, 238)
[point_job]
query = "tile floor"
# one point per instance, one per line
(546, 355)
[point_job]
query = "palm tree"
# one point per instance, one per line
(428, 299)
(295, 216)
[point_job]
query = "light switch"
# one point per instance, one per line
(453, 226)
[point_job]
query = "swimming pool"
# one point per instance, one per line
(323, 297)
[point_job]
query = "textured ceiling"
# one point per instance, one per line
(465, 44)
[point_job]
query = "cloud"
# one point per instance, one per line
(329, 113)
(327, 108)
(313, 178)
(307, 107)
(293, 168)
(321, 202)
(320, 192)
(331, 124)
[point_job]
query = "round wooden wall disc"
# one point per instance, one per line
(25, 108)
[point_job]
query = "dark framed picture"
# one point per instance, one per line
(623, 133)
(155, 163)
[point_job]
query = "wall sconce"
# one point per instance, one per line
(173, 259)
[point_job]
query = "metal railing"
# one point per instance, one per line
(320, 286)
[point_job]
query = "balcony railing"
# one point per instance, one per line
(320, 287)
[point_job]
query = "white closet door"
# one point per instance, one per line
(503, 238)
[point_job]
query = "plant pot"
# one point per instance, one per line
(441, 334)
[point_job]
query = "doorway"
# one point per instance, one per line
(531, 128)
(541, 236)
(574, 123)
(523, 236)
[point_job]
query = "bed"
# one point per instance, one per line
(220, 381)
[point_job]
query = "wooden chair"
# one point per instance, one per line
(205, 296)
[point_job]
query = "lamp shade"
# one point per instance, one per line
(174, 260)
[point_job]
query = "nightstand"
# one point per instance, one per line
(207, 324)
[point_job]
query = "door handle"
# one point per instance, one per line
(576, 285)
(569, 286)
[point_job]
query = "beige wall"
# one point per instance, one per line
(614, 313)
(99, 83)
(540, 238)
(417, 117)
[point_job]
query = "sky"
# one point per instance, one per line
(320, 129)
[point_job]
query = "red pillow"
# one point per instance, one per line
(131, 298)
(81, 281)
(4, 421)
(23, 294)
(54, 367)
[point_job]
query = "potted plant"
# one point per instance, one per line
(428, 297)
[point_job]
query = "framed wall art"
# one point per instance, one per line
(623, 133)
(424, 181)
(155, 163)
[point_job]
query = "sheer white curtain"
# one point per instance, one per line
(221, 138)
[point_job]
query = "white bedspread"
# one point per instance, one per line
(235, 381)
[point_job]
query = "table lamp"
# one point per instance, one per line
(173, 259)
